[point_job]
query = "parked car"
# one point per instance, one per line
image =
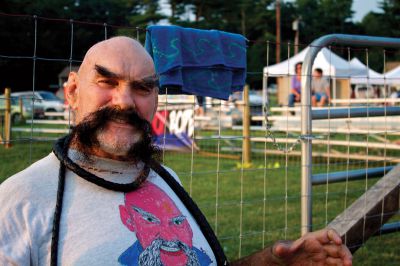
(272, 89)
(255, 102)
(48, 100)
(28, 109)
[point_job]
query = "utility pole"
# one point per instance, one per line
(296, 28)
(243, 20)
(278, 30)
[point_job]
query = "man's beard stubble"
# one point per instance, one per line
(85, 135)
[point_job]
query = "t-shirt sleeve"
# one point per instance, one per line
(326, 84)
(27, 202)
(293, 82)
(15, 240)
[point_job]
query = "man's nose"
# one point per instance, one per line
(167, 233)
(123, 97)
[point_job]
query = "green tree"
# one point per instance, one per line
(383, 24)
(51, 39)
(321, 17)
(144, 12)
(253, 19)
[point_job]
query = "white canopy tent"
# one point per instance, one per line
(331, 64)
(368, 77)
(393, 76)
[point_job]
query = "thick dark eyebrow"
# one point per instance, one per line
(150, 81)
(105, 72)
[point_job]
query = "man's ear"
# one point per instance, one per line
(126, 218)
(71, 90)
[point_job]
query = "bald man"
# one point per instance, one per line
(100, 198)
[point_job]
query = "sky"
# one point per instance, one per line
(362, 7)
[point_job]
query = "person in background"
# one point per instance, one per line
(320, 89)
(295, 91)
(200, 105)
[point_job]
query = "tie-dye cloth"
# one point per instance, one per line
(201, 62)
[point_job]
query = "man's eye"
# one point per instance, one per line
(108, 82)
(144, 89)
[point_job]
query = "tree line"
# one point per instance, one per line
(26, 36)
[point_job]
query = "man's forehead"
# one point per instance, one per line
(120, 55)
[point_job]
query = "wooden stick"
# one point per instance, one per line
(246, 127)
(370, 211)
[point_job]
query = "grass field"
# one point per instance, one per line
(248, 208)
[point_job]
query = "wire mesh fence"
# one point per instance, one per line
(250, 202)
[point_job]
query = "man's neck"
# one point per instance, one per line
(102, 154)
(103, 166)
(97, 152)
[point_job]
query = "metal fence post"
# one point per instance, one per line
(306, 115)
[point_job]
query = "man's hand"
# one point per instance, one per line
(322, 247)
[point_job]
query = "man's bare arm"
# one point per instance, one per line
(263, 257)
(323, 247)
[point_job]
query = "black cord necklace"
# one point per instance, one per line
(60, 149)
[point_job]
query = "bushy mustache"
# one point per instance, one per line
(85, 133)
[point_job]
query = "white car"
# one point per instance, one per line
(48, 100)
(255, 102)
(27, 110)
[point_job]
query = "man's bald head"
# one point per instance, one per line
(120, 47)
(121, 58)
(116, 73)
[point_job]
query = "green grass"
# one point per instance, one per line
(248, 208)
(278, 218)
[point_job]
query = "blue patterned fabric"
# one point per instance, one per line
(201, 62)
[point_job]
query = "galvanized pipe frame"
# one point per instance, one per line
(321, 179)
(355, 112)
(306, 110)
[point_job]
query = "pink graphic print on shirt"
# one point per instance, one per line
(163, 232)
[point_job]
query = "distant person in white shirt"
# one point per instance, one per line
(320, 89)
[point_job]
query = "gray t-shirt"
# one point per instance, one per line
(98, 226)
(319, 85)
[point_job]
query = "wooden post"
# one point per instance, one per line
(246, 128)
(296, 28)
(369, 212)
(278, 30)
(7, 118)
(21, 107)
